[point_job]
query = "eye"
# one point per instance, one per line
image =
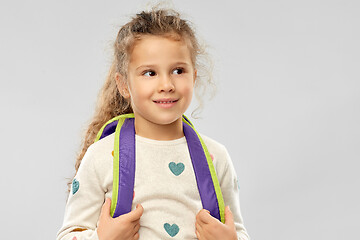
(149, 73)
(179, 71)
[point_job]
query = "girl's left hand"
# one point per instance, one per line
(210, 228)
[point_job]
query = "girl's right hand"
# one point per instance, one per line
(124, 227)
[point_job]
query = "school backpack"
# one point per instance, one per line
(124, 166)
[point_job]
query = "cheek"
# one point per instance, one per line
(187, 89)
(137, 100)
(140, 92)
(189, 92)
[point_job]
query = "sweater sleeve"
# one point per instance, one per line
(228, 181)
(84, 202)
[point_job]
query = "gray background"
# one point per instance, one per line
(287, 107)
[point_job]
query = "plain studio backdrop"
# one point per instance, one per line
(287, 107)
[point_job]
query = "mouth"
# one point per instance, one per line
(165, 101)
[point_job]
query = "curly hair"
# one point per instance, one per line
(159, 22)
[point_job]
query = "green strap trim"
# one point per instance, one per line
(215, 180)
(116, 168)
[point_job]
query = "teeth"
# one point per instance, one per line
(165, 102)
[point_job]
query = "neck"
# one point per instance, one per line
(160, 132)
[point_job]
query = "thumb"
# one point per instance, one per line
(105, 210)
(229, 218)
(137, 213)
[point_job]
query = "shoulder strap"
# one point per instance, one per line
(124, 166)
(123, 163)
(207, 181)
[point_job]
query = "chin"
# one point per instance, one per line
(167, 120)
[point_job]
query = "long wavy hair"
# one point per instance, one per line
(160, 22)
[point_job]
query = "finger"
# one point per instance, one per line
(198, 235)
(204, 216)
(136, 228)
(139, 211)
(105, 209)
(229, 218)
(199, 215)
(136, 222)
(136, 214)
(198, 226)
(136, 236)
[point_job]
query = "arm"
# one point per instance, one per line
(210, 228)
(84, 204)
(229, 187)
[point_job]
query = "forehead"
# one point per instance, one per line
(159, 49)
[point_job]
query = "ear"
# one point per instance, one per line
(121, 85)
(195, 75)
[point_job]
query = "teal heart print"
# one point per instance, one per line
(75, 186)
(176, 169)
(172, 230)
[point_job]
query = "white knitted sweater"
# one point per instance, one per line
(165, 197)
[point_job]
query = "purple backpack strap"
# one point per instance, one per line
(202, 172)
(126, 168)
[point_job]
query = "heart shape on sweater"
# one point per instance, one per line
(172, 230)
(75, 186)
(176, 169)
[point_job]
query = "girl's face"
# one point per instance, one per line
(160, 80)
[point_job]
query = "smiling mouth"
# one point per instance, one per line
(164, 102)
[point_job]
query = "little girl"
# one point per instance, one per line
(182, 180)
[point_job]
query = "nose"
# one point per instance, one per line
(166, 84)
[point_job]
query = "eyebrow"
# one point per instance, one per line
(152, 66)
